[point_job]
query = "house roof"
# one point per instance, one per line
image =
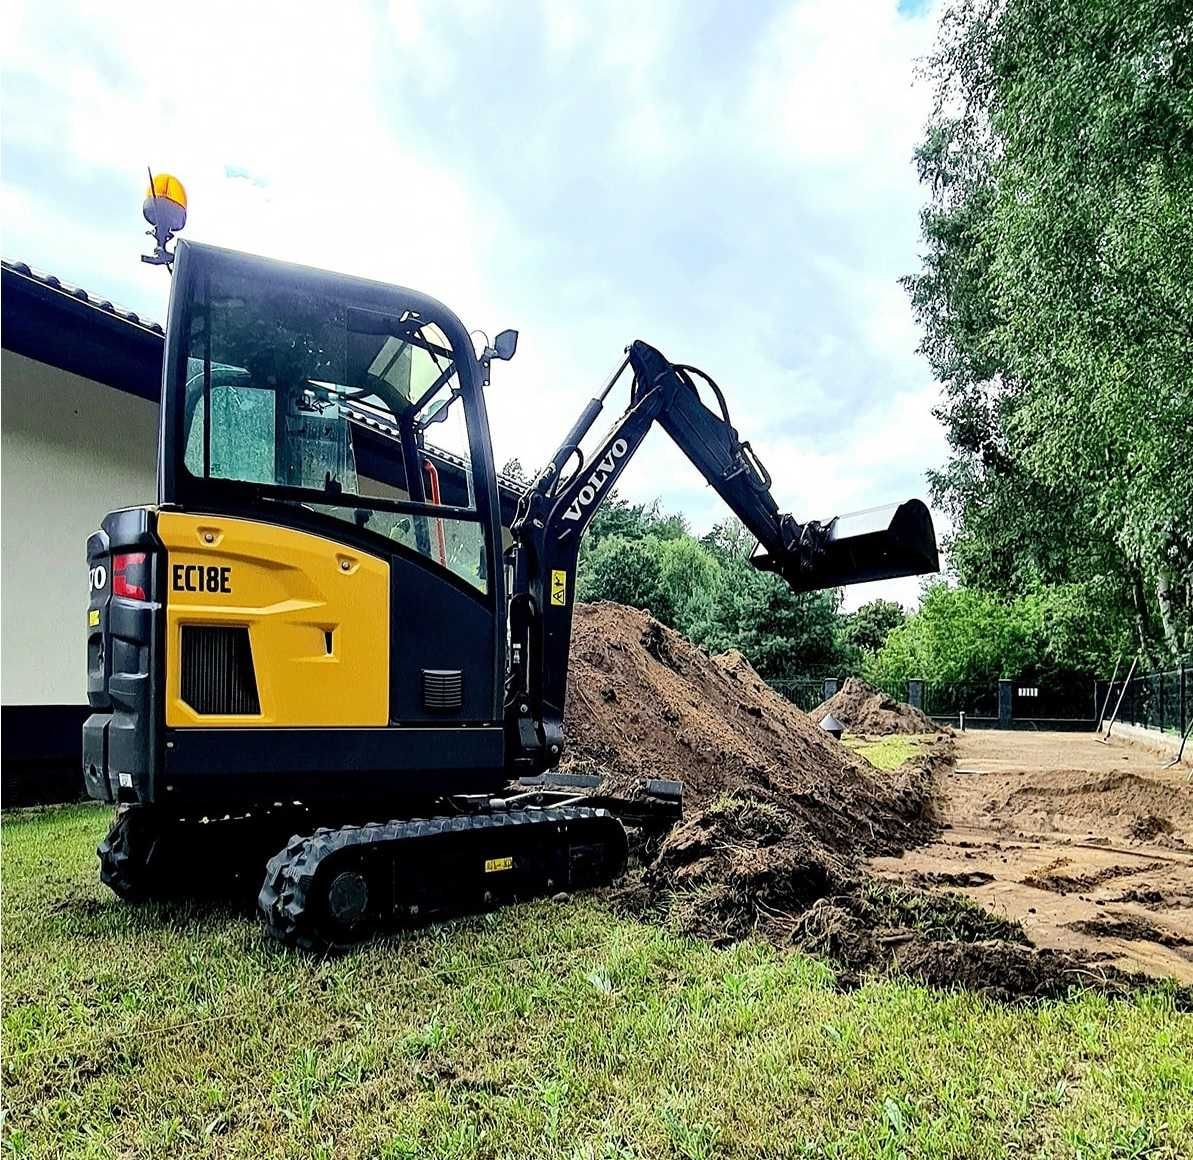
(53, 282)
(119, 348)
(110, 345)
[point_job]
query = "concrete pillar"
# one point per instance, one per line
(828, 688)
(1005, 689)
(915, 694)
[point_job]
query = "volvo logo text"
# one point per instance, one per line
(596, 481)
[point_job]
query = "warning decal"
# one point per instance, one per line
(559, 586)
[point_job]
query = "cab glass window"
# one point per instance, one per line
(288, 387)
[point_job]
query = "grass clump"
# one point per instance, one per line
(889, 752)
(542, 1030)
(939, 915)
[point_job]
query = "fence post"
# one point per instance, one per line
(915, 694)
(828, 688)
(1180, 696)
(1005, 689)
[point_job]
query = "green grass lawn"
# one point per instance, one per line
(889, 752)
(543, 1030)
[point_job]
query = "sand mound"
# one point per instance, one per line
(778, 817)
(863, 709)
(1121, 804)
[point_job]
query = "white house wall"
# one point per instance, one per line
(71, 450)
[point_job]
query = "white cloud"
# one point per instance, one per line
(834, 88)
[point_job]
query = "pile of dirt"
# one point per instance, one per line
(779, 818)
(863, 709)
(645, 702)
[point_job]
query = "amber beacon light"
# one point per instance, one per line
(165, 211)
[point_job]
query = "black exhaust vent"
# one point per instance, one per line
(443, 690)
(217, 670)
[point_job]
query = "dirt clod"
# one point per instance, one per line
(1131, 928)
(1146, 827)
(1053, 877)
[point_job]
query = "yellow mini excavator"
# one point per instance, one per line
(324, 622)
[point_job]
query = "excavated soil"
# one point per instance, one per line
(1089, 846)
(780, 820)
(861, 708)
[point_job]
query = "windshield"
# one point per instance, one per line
(292, 388)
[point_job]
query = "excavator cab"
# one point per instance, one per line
(314, 609)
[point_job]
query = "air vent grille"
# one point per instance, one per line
(217, 670)
(443, 690)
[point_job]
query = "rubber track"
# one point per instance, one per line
(128, 856)
(119, 868)
(290, 873)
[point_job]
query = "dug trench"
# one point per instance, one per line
(782, 822)
(1088, 845)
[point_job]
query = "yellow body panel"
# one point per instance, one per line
(290, 589)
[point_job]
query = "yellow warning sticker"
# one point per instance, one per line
(492, 865)
(93, 618)
(559, 586)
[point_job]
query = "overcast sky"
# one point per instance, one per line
(731, 182)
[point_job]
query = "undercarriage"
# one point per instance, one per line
(332, 886)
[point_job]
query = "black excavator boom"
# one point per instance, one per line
(897, 540)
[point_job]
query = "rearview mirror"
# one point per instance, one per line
(505, 344)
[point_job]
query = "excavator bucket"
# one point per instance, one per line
(875, 544)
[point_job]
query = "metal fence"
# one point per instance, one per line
(978, 701)
(1162, 700)
(804, 692)
(1035, 700)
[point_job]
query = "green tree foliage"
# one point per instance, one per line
(632, 521)
(959, 635)
(690, 577)
(707, 589)
(969, 636)
(1056, 296)
(868, 627)
(627, 571)
(780, 632)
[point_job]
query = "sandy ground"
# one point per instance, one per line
(1090, 846)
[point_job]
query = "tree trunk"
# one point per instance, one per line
(1168, 613)
(1140, 601)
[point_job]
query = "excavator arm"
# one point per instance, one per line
(897, 540)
